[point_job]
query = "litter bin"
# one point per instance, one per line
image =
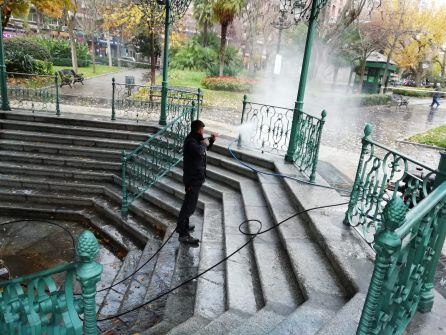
(129, 82)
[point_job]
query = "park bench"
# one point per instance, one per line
(77, 77)
(399, 100)
(66, 77)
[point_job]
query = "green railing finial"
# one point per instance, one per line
(88, 273)
(368, 131)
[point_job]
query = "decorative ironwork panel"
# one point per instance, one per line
(383, 174)
(143, 103)
(32, 92)
(34, 304)
(267, 128)
(155, 157)
(408, 249)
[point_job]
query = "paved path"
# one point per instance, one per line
(101, 86)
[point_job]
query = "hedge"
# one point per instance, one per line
(231, 84)
(67, 62)
(416, 93)
(27, 55)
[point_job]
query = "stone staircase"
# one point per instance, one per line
(308, 276)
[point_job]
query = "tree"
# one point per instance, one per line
(70, 12)
(362, 39)
(88, 23)
(141, 21)
(20, 8)
(203, 14)
(224, 13)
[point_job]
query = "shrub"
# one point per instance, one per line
(26, 55)
(374, 99)
(412, 93)
(194, 56)
(61, 52)
(227, 84)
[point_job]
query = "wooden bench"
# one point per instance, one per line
(66, 77)
(77, 77)
(399, 100)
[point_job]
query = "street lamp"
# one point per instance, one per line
(174, 10)
(281, 23)
(3, 87)
(302, 10)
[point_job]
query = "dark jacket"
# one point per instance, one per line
(194, 159)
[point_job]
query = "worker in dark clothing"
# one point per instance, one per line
(194, 174)
(435, 98)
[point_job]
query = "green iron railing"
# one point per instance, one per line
(143, 102)
(408, 247)
(383, 174)
(33, 92)
(33, 304)
(268, 129)
(145, 165)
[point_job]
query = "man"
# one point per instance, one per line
(194, 174)
(435, 98)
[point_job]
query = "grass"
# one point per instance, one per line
(88, 71)
(188, 78)
(435, 137)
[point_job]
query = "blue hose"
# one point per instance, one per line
(282, 175)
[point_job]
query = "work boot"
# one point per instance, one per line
(187, 239)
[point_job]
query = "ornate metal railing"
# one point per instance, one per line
(268, 129)
(33, 304)
(143, 102)
(408, 247)
(33, 92)
(383, 174)
(145, 165)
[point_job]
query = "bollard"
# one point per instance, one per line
(56, 82)
(245, 101)
(113, 116)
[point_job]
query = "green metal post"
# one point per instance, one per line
(194, 112)
(88, 273)
(124, 204)
(56, 82)
(3, 83)
(245, 101)
(387, 244)
(316, 154)
(164, 85)
(427, 291)
(200, 94)
(355, 191)
(113, 116)
(298, 108)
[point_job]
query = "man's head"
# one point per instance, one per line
(197, 127)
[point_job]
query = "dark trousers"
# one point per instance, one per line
(435, 102)
(188, 208)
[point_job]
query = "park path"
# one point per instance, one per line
(101, 86)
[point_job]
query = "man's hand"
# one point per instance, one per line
(213, 137)
(205, 142)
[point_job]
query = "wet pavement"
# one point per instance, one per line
(30, 246)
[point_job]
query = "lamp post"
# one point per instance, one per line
(302, 10)
(3, 87)
(281, 23)
(174, 10)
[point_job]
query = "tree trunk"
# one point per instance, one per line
(152, 59)
(224, 31)
(335, 75)
(71, 22)
(205, 34)
(443, 66)
(93, 54)
(419, 74)
(6, 15)
(384, 81)
(350, 79)
(362, 75)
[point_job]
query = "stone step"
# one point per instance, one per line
(49, 128)
(33, 191)
(180, 303)
(279, 285)
(76, 120)
(316, 277)
(243, 291)
(54, 160)
(190, 326)
(120, 243)
(61, 150)
(224, 324)
(160, 282)
(263, 322)
(63, 139)
(54, 171)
